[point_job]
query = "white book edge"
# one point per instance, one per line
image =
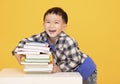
(37, 44)
(38, 70)
(36, 47)
(27, 52)
(33, 63)
(37, 60)
(37, 56)
(30, 50)
(40, 56)
(38, 66)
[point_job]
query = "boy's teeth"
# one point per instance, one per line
(52, 30)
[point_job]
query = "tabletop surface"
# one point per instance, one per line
(16, 72)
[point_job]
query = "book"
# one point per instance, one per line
(37, 60)
(43, 44)
(30, 50)
(36, 47)
(32, 63)
(38, 57)
(37, 69)
(37, 65)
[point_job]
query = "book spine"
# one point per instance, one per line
(37, 47)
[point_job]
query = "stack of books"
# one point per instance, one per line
(38, 57)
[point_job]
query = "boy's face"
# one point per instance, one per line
(53, 25)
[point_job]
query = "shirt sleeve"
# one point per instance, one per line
(73, 58)
(24, 41)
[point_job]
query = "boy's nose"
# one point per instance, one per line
(51, 25)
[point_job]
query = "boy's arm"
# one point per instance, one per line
(74, 57)
(24, 41)
(19, 57)
(21, 44)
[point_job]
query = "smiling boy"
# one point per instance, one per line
(65, 50)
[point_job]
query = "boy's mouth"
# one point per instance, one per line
(52, 31)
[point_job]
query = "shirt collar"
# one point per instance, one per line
(45, 35)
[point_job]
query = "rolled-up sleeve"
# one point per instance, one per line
(24, 41)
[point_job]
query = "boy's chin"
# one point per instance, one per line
(52, 36)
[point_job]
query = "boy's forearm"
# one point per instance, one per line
(18, 57)
(20, 45)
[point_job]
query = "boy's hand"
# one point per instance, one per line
(18, 57)
(56, 68)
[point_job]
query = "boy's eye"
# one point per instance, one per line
(47, 22)
(56, 22)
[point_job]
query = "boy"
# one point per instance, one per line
(65, 51)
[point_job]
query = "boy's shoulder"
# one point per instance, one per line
(37, 37)
(67, 38)
(39, 34)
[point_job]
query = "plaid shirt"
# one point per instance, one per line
(66, 52)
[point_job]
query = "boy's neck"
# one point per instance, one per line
(52, 40)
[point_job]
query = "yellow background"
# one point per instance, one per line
(93, 23)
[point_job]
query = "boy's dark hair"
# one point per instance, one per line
(58, 11)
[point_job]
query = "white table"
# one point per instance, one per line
(17, 76)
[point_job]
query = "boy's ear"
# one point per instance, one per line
(64, 27)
